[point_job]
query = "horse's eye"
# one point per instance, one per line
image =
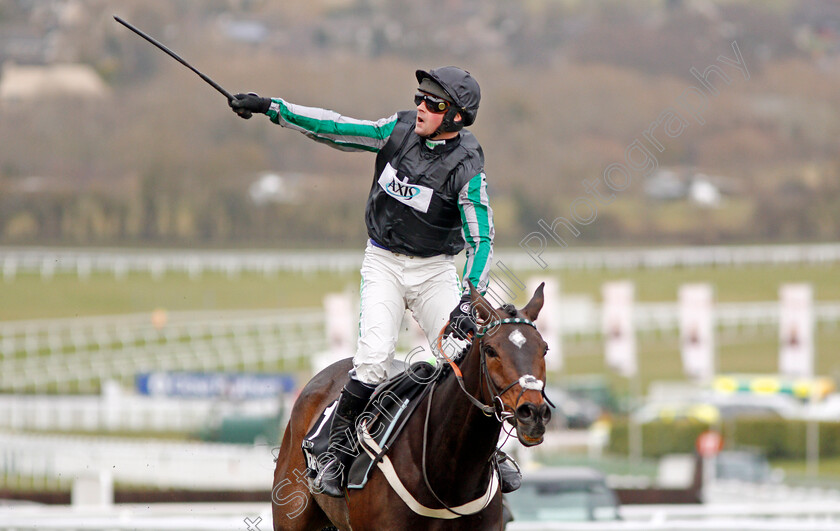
(490, 352)
(545, 352)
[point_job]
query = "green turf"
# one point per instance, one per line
(65, 295)
(28, 296)
(758, 283)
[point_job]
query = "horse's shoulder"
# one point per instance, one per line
(333, 377)
(320, 390)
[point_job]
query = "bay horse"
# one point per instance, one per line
(444, 456)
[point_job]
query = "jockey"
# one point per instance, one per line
(427, 202)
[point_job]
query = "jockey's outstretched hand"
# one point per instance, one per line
(246, 104)
(461, 323)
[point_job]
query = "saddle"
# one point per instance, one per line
(386, 414)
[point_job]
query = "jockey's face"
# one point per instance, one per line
(428, 122)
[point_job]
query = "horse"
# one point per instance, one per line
(444, 457)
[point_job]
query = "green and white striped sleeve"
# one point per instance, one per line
(331, 128)
(477, 229)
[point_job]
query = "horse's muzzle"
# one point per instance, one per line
(530, 422)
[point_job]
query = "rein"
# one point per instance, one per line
(487, 410)
(490, 491)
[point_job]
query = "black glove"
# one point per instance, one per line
(246, 104)
(461, 321)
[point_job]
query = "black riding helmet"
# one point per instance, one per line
(460, 88)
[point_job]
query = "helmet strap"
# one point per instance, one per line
(448, 124)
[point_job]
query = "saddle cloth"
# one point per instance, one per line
(387, 412)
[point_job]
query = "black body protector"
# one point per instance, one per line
(425, 181)
(413, 203)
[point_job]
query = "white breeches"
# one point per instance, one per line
(391, 283)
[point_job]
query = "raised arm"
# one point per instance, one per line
(321, 125)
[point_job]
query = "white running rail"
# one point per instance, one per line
(77, 354)
(124, 413)
(145, 462)
(120, 262)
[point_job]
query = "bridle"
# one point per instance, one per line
(526, 382)
(497, 409)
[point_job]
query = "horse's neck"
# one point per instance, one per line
(465, 438)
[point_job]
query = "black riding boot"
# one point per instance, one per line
(510, 475)
(343, 446)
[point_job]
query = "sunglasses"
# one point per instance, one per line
(433, 103)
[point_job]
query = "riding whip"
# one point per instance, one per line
(175, 56)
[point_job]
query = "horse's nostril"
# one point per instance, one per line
(525, 412)
(545, 413)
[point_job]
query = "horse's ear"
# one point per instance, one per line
(532, 309)
(483, 310)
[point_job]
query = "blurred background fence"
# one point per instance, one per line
(84, 262)
(77, 354)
